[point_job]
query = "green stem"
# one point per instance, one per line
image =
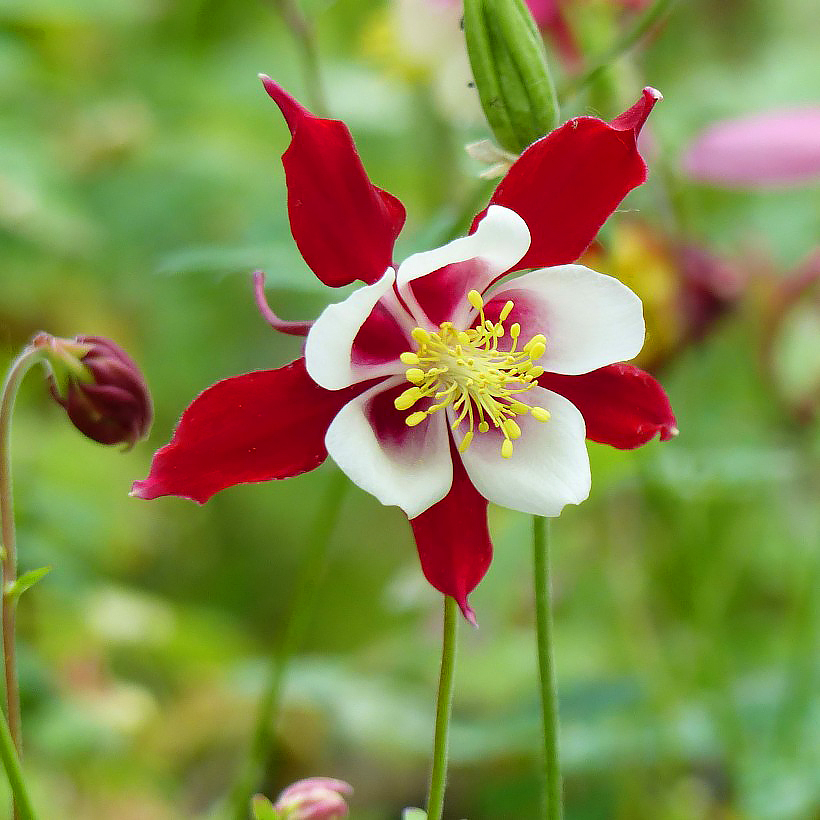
(304, 603)
(553, 810)
(23, 809)
(444, 703)
(302, 30)
(18, 370)
(628, 40)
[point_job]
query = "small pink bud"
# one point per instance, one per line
(100, 387)
(316, 798)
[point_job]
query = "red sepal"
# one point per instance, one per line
(566, 185)
(622, 405)
(259, 426)
(344, 225)
(453, 540)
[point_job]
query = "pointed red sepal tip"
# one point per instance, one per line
(291, 110)
(453, 540)
(468, 612)
(282, 325)
(633, 118)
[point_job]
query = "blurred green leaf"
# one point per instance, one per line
(25, 582)
(263, 809)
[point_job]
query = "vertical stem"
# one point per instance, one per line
(15, 375)
(444, 703)
(11, 763)
(304, 601)
(305, 37)
(628, 40)
(554, 809)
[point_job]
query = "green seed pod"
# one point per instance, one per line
(510, 71)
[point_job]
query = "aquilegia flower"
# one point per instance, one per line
(440, 384)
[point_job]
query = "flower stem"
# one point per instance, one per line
(23, 809)
(553, 808)
(302, 30)
(17, 371)
(444, 702)
(304, 601)
(630, 38)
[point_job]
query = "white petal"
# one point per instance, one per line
(590, 320)
(413, 470)
(328, 348)
(500, 240)
(549, 466)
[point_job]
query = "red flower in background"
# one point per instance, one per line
(440, 385)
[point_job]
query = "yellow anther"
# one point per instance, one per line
(415, 418)
(511, 429)
(537, 350)
(535, 341)
(474, 298)
(407, 399)
(465, 370)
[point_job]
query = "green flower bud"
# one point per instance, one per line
(510, 71)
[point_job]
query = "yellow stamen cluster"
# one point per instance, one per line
(465, 370)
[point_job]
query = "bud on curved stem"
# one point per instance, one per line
(510, 71)
(106, 398)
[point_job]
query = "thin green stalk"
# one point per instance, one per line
(23, 810)
(304, 603)
(302, 30)
(444, 703)
(628, 40)
(18, 370)
(553, 803)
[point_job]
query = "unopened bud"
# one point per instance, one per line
(510, 71)
(316, 798)
(100, 387)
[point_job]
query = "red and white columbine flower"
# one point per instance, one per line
(441, 384)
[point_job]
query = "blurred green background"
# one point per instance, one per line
(140, 184)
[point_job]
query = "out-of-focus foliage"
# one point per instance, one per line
(139, 186)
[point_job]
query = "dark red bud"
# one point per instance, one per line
(106, 397)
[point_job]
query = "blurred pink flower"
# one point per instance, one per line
(769, 148)
(315, 798)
